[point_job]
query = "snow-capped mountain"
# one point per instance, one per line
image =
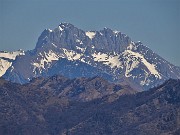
(110, 54)
(6, 59)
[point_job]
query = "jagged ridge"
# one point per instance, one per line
(110, 52)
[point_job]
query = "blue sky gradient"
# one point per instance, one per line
(156, 23)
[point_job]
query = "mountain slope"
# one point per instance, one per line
(79, 89)
(109, 52)
(6, 59)
(152, 113)
(38, 108)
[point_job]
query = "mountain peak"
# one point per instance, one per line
(64, 25)
(107, 52)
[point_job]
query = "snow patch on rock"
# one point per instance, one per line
(11, 55)
(5, 63)
(80, 48)
(71, 55)
(150, 67)
(110, 60)
(44, 60)
(60, 28)
(90, 34)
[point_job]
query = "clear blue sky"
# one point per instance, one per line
(154, 22)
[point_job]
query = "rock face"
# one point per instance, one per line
(105, 53)
(58, 105)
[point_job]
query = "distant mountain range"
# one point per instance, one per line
(73, 53)
(87, 106)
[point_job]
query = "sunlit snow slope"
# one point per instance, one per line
(6, 59)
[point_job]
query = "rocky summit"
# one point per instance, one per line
(72, 52)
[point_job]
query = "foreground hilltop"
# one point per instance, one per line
(58, 105)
